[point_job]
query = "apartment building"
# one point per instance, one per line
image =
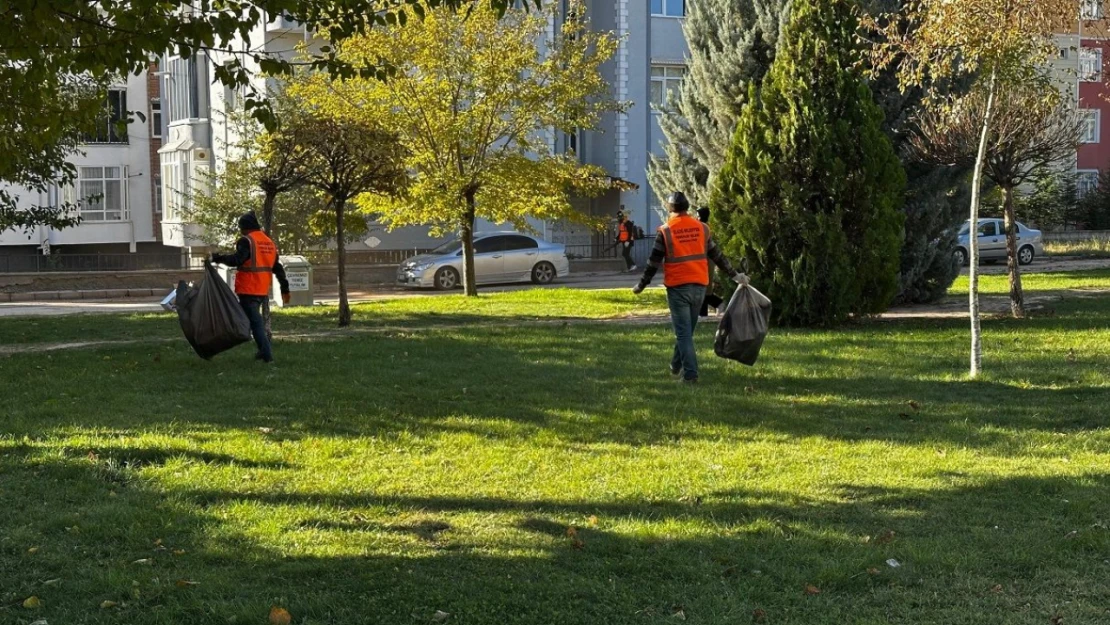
(647, 72)
(119, 168)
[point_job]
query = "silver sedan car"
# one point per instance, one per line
(499, 257)
(992, 242)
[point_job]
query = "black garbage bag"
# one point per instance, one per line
(744, 326)
(211, 316)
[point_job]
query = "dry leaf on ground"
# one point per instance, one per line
(812, 590)
(104, 605)
(440, 616)
(32, 603)
(280, 616)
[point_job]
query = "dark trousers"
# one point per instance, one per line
(683, 302)
(710, 299)
(626, 251)
(252, 305)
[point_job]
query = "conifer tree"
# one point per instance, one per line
(811, 189)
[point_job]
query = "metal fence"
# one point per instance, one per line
(37, 263)
(363, 257)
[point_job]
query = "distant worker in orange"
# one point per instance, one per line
(256, 261)
(683, 248)
(625, 237)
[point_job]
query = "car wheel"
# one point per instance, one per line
(447, 279)
(543, 273)
(1026, 254)
(961, 257)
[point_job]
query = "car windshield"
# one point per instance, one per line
(964, 228)
(449, 247)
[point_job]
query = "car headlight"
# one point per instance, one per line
(421, 266)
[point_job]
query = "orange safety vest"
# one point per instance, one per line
(687, 260)
(257, 274)
(623, 234)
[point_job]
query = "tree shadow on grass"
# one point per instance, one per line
(581, 384)
(1013, 551)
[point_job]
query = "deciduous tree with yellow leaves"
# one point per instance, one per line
(476, 98)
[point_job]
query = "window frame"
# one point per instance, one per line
(665, 81)
(1094, 73)
(510, 238)
(1092, 120)
(108, 127)
(1097, 13)
(665, 8)
(497, 239)
(993, 224)
(1092, 178)
(85, 176)
(156, 118)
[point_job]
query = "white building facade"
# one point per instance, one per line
(647, 72)
(117, 186)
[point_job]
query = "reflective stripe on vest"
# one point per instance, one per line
(256, 275)
(687, 260)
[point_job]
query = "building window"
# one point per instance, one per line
(666, 86)
(1090, 64)
(1091, 9)
(155, 118)
(110, 127)
(1086, 181)
(101, 190)
(183, 90)
(158, 195)
(1092, 120)
(668, 8)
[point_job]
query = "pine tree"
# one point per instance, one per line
(811, 189)
(732, 44)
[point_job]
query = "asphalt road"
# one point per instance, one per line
(136, 306)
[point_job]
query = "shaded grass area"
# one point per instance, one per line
(419, 312)
(380, 478)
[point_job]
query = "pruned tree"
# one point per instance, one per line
(930, 43)
(50, 51)
(345, 159)
(1030, 134)
(475, 99)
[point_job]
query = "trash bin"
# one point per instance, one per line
(299, 272)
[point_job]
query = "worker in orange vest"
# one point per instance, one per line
(256, 258)
(684, 248)
(625, 236)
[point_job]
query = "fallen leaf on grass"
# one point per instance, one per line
(178, 552)
(52, 582)
(680, 615)
(812, 590)
(759, 615)
(33, 550)
(143, 561)
(32, 603)
(1055, 620)
(592, 521)
(996, 588)
(913, 404)
(572, 532)
(104, 605)
(885, 537)
(440, 616)
(185, 583)
(280, 616)
(872, 571)
(41, 621)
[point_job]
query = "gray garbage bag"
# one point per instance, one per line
(744, 326)
(210, 315)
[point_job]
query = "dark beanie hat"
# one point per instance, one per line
(249, 222)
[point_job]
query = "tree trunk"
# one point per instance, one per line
(340, 204)
(1017, 297)
(268, 227)
(973, 237)
(470, 283)
(268, 199)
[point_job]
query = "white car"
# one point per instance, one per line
(992, 242)
(499, 257)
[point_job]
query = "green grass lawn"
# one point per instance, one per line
(995, 284)
(377, 478)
